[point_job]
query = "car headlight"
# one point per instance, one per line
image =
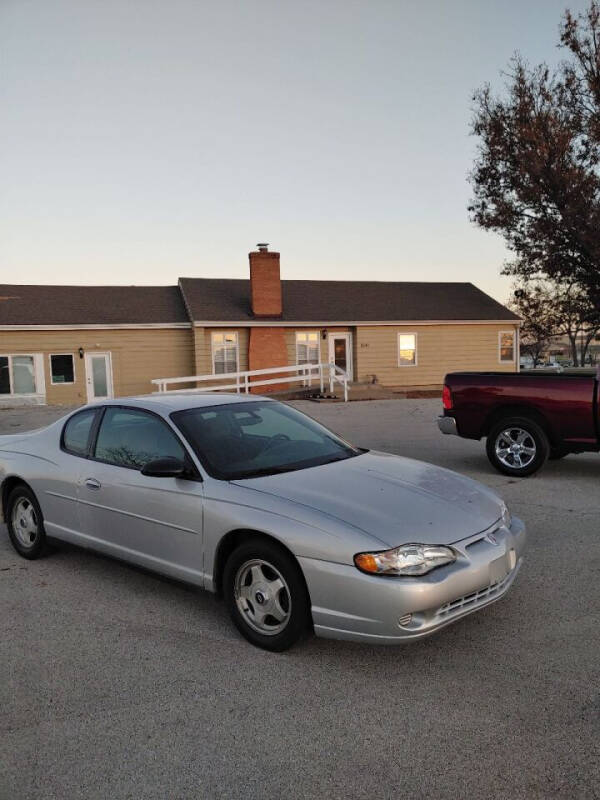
(506, 516)
(408, 559)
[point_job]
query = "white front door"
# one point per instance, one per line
(340, 351)
(98, 376)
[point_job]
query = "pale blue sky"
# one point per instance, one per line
(141, 140)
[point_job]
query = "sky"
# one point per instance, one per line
(143, 140)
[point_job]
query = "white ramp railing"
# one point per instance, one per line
(240, 381)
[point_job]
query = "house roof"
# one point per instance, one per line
(226, 300)
(91, 305)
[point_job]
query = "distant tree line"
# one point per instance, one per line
(536, 181)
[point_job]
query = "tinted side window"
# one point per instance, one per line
(76, 433)
(131, 438)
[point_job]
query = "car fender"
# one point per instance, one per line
(303, 531)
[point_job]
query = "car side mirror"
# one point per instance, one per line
(165, 468)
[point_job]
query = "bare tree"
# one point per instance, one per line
(530, 302)
(550, 309)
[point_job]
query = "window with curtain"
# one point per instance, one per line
(307, 347)
(224, 352)
(507, 346)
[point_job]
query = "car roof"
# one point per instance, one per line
(165, 403)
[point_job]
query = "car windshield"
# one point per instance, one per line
(248, 440)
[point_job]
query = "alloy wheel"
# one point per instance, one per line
(515, 448)
(263, 597)
(25, 522)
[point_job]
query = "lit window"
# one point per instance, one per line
(17, 375)
(407, 349)
(224, 353)
(507, 346)
(61, 369)
(307, 347)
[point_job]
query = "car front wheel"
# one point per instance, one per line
(25, 523)
(517, 446)
(266, 594)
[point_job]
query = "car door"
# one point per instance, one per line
(58, 492)
(155, 522)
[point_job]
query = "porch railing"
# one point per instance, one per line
(240, 381)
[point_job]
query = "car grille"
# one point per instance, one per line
(475, 597)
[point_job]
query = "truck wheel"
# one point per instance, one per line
(517, 446)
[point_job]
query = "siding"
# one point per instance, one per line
(137, 356)
(142, 354)
(203, 357)
(440, 349)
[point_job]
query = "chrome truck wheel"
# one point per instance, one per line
(517, 446)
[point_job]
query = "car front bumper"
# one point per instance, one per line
(348, 604)
(447, 425)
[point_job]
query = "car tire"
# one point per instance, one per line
(266, 594)
(517, 446)
(25, 523)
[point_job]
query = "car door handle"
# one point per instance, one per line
(92, 483)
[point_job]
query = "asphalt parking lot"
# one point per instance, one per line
(120, 684)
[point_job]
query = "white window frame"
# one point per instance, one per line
(306, 333)
(38, 374)
(61, 383)
(212, 349)
(501, 360)
(408, 333)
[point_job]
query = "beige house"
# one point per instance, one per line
(72, 344)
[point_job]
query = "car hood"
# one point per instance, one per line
(395, 499)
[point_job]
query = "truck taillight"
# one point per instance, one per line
(446, 398)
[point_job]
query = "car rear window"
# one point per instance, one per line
(76, 433)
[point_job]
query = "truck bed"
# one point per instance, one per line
(567, 402)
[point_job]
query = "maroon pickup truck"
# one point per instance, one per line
(526, 417)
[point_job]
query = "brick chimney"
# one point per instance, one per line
(265, 282)
(267, 347)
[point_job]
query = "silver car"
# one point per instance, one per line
(294, 526)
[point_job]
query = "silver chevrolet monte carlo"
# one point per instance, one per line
(294, 526)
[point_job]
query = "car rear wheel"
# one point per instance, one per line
(517, 446)
(266, 594)
(25, 523)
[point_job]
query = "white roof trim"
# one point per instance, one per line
(290, 324)
(255, 324)
(97, 327)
